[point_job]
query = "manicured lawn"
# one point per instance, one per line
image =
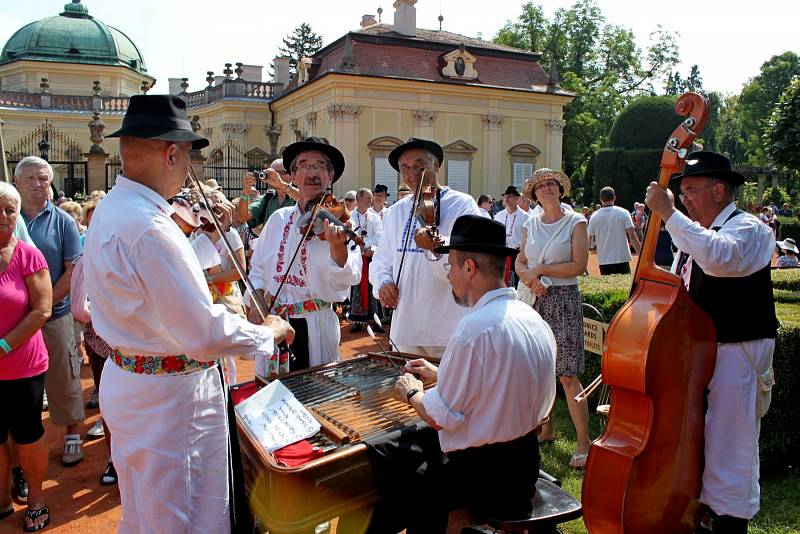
(780, 492)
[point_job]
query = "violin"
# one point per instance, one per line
(427, 211)
(326, 208)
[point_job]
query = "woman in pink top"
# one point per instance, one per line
(26, 296)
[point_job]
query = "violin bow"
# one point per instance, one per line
(228, 248)
(414, 205)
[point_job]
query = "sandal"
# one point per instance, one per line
(33, 515)
(578, 461)
(109, 477)
(19, 490)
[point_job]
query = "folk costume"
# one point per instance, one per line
(314, 280)
(423, 287)
(500, 360)
(723, 267)
(162, 394)
(363, 304)
(513, 222)
(380, 188)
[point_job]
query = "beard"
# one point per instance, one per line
(461, 301)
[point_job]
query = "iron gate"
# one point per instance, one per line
(113, 168)
(70, 173)
(227, 163)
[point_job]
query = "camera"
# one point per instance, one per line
(261, 175)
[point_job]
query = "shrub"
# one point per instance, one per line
(789, 229)
(627, 171)
(646, 123)
(780, 430)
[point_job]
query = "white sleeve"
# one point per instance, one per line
(741, 247)
(206, 331)
(456, 390)
(381, 269)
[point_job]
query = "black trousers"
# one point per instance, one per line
(498, 479)
(299, 346)
(615, 268)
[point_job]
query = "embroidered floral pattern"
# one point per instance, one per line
(159, 365)
(292, 280)
(221, 289)
(304, 307)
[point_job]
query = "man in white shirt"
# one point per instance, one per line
(613, 233)
(322, 271)
(513, 219)
(495, 384)
(162, 394)
(425, 316)
(367, 224)
(725, 262)
(379, 207)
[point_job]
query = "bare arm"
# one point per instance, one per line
(61, 287)
(248, 188)
(40, 300)
(231, 275)
(633, 239)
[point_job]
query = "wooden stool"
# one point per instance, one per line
(551, 507)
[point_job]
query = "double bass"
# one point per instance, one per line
(644, 473)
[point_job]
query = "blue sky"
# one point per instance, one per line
(729, 40)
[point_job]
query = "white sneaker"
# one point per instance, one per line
(73, 452)
(45, 406)
(97, 431)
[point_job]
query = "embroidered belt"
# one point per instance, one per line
(219, 290)
(159, 365)
(300, 308)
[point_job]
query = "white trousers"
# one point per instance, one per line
(730, 477)
(170, 449)
(323, 337)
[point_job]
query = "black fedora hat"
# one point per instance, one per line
(710, 165)
(161, 117)
(511, 190)
(380, 188)
(478, 234)
(318, 144)
(413, 142)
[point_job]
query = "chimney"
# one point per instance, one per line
(281, 68)
(405, 17)
(368, 20)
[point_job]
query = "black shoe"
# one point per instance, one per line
(109, 477)
(20, 489)
(355, 328)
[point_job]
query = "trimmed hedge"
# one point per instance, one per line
(780, 428)
(646, 123)
(628, 171)
(789, 230)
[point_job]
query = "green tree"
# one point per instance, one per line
(302, 42)
(757, 100)
(694, 82)
(782, 135)
(598, 61)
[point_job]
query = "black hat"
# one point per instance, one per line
(317, 144)
(511, 190)
(478, 234)
(413, 142)
(710, 165)
(161, 117)
(380, 188)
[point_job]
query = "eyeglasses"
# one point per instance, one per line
(305, 168)
(349, 200)
(692, 192)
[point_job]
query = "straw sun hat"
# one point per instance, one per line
(543, 175)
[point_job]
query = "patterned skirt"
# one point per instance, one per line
(561, 308)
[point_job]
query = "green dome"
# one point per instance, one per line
(74, 36)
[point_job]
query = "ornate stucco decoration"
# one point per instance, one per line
(492, 121)
(234, 128)
(460, 64)
(555, 125)
(96, 129)
(424, 117)
(310, 119)
(342, 111)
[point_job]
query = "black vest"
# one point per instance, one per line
(742, 309)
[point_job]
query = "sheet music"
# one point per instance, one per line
(276, 418)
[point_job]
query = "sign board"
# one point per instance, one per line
(594, 334)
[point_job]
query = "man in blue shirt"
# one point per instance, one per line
(56, 236)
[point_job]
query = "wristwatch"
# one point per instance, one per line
(411, 393)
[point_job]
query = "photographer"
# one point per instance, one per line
(256, 211)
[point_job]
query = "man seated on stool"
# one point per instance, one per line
(495, 384)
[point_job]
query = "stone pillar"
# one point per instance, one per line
(344, 127)
(492, 160)
(197, 160)
(96, 171)
(4, 174)
(762, 178)
(96, 158)
(423, 123)
(555, 135)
